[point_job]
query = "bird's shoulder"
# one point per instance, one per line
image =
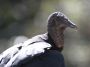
(31, 47)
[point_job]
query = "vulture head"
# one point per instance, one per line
(57, 23)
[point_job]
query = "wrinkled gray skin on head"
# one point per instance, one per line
(57, 23)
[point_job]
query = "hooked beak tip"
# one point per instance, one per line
(74, 27)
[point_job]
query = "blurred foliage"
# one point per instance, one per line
(15, 14)
(21, 19)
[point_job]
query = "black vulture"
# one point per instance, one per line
(42, 50)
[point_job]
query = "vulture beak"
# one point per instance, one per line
(71, 25)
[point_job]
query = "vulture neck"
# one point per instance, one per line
(57, 36)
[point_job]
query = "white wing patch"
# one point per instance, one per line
(30, 50)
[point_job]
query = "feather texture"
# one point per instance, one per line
(19, 52)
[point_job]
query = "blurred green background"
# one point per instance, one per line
(22, 19)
